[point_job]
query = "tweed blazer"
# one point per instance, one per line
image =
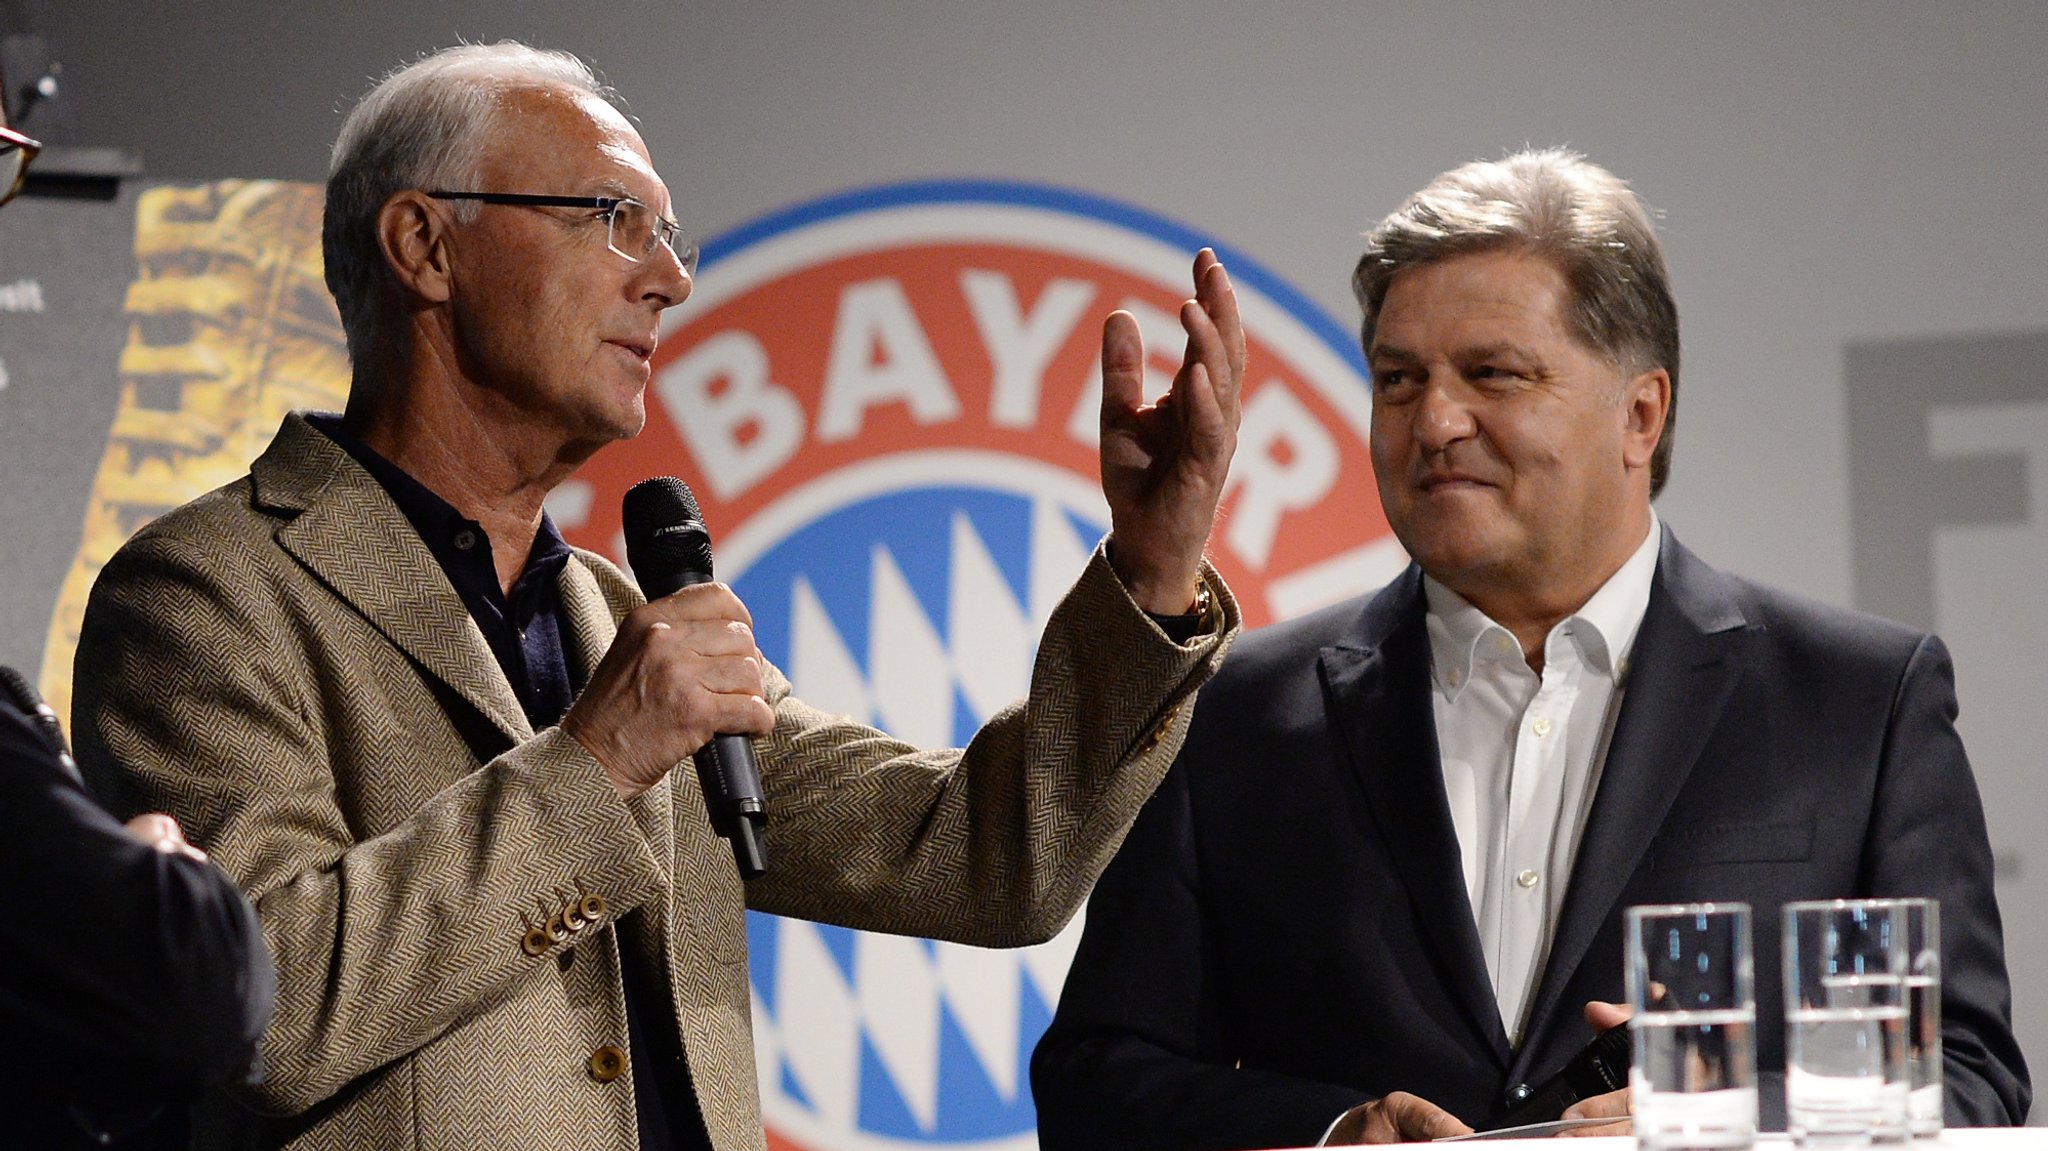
(283, 666)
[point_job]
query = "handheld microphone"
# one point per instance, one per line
(669, 549)
(31, 704)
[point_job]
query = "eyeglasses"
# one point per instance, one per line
(16, 150)
(632, 228)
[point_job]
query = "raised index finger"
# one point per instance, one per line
(1123, 363)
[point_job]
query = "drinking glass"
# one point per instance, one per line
(1920, 920)
(1691, 989)
(1845, 1022)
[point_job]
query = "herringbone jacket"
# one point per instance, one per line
(282, 665)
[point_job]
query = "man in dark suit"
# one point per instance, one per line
(132, 972)
(1380, 893)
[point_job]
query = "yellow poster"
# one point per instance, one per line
(229, 326)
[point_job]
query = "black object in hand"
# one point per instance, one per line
(1599, 1067)
(669, 549)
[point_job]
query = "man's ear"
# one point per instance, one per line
(1645, 401)
(412, 233)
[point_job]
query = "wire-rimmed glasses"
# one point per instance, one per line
(632, 229)
(16, 150)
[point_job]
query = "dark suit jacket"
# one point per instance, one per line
(1286, 933)
(129, 979)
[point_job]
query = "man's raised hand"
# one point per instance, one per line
(1164, 465)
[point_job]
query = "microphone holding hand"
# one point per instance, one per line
(670, 549)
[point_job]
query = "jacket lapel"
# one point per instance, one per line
(1378, 692)
(589, 626)
(349, 533)
(589, 621)
(1685, 664)
(588, 616)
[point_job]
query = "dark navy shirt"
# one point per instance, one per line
(524, 631)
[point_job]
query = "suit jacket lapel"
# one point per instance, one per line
(1684, 666)
(350, 534)
(1378, 693)
(589, 626)
(588, 617)
(589, 623)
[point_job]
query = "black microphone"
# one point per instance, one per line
(669, 548)
(31, 704)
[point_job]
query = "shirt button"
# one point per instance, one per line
(465, 540)
(1526, 878)
(1542, 726)
(1455, 677)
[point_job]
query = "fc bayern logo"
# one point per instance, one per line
(886, 403)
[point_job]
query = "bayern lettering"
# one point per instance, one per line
(742, 427)
(880, 355)
(738, 425)
(1019, 347)
(1286, 460)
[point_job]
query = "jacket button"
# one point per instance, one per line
(607, 1063)
(536, 942)
(1519, 1092)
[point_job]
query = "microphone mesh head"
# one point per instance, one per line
(653, 508)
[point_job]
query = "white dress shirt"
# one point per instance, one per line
(1522, 755)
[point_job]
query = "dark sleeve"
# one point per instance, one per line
(1138, 1056)
(1928, 838)
(125, 973)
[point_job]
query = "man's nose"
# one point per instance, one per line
(1442, 417)
(667, 282)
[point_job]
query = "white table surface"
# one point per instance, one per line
(1954, 1139)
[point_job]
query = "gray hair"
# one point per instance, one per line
(422, 126)
(1559, 206)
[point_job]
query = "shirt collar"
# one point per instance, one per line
(1616, 610)
(457, 542)
(1604, 628)
(1460, 635)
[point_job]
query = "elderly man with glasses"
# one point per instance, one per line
(145, 978)
(434, 741)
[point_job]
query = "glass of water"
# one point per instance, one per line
(1920, 920)
(1845, 1022)
(1692, 995)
